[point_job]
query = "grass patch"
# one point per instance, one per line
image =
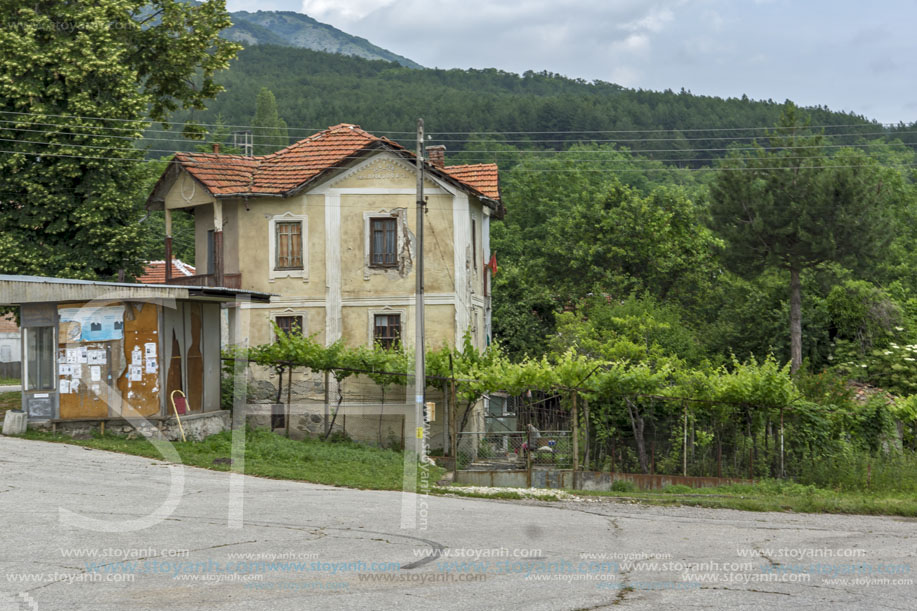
(10, 381)
(341, 463)
(777, 495)
(767, 495)
(9, 400)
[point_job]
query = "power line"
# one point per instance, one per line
(533, 171)
(453, 133)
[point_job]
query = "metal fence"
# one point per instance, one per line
(507, 450)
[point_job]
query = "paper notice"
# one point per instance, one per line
(136, 374)
(151, 365)
(96, 389)
(64, 387)
(73, 355)
(136, 356)
(65, 370)
(76, 371)
(96, 357)
(83, 355)
(149, 349)
(95, 373)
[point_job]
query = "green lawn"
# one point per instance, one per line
(346, 463)
(770, 495)
(342, 463)
(10, 381)
(9, 400)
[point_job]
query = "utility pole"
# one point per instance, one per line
(420, 380)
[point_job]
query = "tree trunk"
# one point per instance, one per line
(637, 424)
(795, 321)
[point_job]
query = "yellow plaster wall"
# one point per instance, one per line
(186, 192)
(261, 331)
(254, 246)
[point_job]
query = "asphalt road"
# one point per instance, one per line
(304, 546)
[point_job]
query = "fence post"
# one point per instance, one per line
(684, 459)
(782, 472)
(586, 423)
(528, 466)
(454, 446)
(289, 393)
(575, 441)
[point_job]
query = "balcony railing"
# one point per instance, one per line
(230, 281)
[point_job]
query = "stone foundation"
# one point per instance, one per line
(196, 426)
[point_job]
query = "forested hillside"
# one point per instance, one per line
(315, 90)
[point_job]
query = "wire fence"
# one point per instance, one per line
(495, 451)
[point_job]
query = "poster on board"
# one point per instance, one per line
(93, 324)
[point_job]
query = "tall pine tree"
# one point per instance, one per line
(793, 205)
(269, 130)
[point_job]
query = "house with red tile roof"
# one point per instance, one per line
(328, 226)
(154, 272)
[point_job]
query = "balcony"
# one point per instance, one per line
(230, 281)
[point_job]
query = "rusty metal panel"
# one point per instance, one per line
(141, 329)
(194, 359)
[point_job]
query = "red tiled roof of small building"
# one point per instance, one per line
(291, 167)
(155, 271)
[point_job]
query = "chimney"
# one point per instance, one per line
(437, 155)
(216, 148)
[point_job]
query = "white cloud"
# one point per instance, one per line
(337, 12)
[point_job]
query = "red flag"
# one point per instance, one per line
(492, 264)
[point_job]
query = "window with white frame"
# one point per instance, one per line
(383, 242)
(288, 252)
(387, 330)
(289, 325)
(289, 322)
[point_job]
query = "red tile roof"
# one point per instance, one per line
(8, 324)
(481, 176)
(155, 271)
(289, 168)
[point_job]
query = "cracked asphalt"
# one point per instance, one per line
(86, 529)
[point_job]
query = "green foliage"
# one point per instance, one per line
(269, 130)
(767, 202)
(70, 72)
(893, 367)
(863, 313)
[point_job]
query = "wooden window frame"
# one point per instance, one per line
(294, 319)
(387, 340)
(274, 271)
(388, 225)
(279, 227)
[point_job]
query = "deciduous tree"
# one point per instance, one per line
(79, 82)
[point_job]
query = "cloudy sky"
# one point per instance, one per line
(848, 55)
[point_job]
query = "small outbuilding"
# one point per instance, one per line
(103, 352)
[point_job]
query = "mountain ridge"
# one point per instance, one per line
(292, 29)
